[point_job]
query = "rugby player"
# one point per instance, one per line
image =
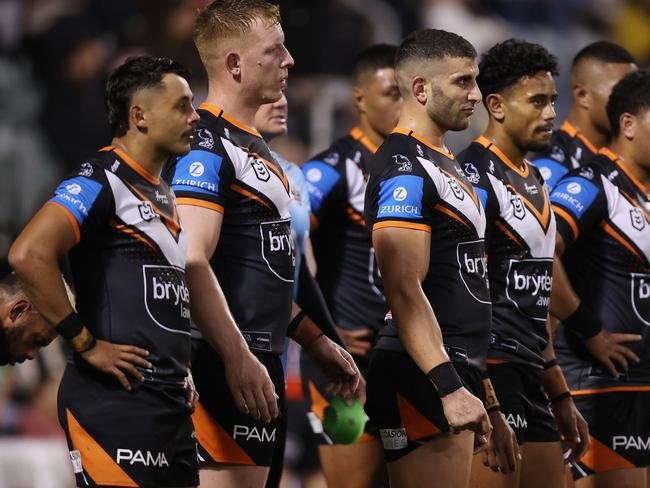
(604, 240)
(594, 72)
(23, 331)
(234, 200)
(347, 269)
(516, 81)
(118, 221)
(426, 373)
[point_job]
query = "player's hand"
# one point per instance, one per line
(502, 453)
(117, 360)
(357, 342)
(252, 387)
(573, 429)
(339, 368)
(466, 412)
(191, 395)
(607, 349)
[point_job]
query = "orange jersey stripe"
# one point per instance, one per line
(569, 220)
(400, 224)
(408, 132)
(451, 213)
(248, 194)
(216, 111)
(618, 237)
(195, 202)
(507, 232)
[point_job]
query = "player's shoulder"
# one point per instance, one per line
(398, 151)
(335, 155)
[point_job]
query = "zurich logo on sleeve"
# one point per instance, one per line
(401, 196)
(197, 171)
(550, 170)
(77, 195)
(575, 193)
(321, 178)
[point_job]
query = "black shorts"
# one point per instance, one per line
(404, 405)
(619, 427)
(142, 438)
(224, 434)
(523, 402)
(317, 398)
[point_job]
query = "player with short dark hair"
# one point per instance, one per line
(594, 72)
(604, 240)
(234, 200)
(516, 81)
(426, 377)
(117, 220)
(347, 269)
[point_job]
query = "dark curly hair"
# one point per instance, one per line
(605, 51)
(433, 44)
(509, 61)
(135, 74)
(630, 95)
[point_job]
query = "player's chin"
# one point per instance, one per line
(182, 148)
(539, 144)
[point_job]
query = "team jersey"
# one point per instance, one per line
(520, 242)
(569, 149)
(300, 210)
(231, 170)
(417, 185)
(602, 215)
(347, 269)
(128, 266)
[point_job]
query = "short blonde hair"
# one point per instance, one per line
(227, 19)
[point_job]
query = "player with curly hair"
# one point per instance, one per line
(516, 80)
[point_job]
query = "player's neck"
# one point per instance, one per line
(145, 155)
(625, 151)
(420, 123)
(580, 120)
(233, 103)
(501, 140)
(373, 136)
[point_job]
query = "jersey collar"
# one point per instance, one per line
(358, 135)
(409, 133)
(573, 132)
(132, 164)
(488, 144)
(614, 158)
(218, 112)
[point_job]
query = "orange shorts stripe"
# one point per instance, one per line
(417, 425)
(600, 458)
(95, 460)
(216, 441)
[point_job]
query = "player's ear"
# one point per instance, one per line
(358, 99)
(628, 123)
(137, 118)
(233, 64)
(494, 104)
(18, 309)
(419, 89)
(581, 96)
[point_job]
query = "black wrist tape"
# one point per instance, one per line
(445, 378)
(561, 396)
(70, 327)
(550, 364)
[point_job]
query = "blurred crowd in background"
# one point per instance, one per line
(54, 59)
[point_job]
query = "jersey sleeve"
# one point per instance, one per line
(198, 179)
(324, 185)
(399, 199)
(85, 198)
(579, 204)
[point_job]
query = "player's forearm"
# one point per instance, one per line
(37, 268)
(210, 311)
(564, 300)
(417, 325)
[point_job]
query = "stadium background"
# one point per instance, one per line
(54, 58)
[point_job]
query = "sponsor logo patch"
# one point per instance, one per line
(394, 439)
(528, 286)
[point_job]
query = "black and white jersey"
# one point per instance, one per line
(417, 185)
(569, 149)
(231, 170)
(347, 269)
(128, 266)
(603, 217)
(520, 242)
